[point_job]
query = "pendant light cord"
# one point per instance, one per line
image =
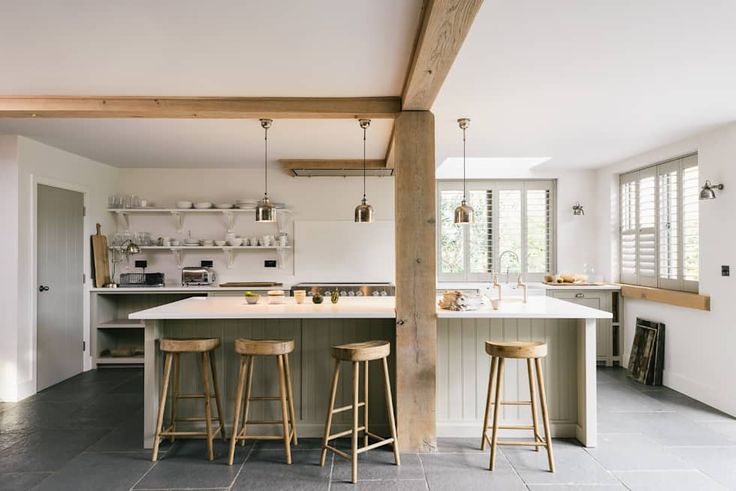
(463, 164)
(265, 160)
(364, 132)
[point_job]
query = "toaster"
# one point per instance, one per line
(203, 275)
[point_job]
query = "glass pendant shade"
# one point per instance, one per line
(363, 212)
(464, 213)
(265, 211)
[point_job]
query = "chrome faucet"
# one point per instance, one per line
(500, 260)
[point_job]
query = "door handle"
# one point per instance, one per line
(577, 295)
(43, 288)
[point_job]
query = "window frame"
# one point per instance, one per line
(657, 170)
(495, 186)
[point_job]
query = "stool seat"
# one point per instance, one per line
(190, 345)
(364, 351)
(517, 349)
(255, 347)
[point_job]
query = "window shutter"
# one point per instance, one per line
(690, 224)
(628, 228)
(646, 240)
(668, 176)
(538, 230)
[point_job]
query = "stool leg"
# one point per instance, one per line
(356, 391)
(236, 411)
(284, 408)
(290, 394)
(365, 401)
(491, 374)
(162, 406)
(390, 411)
(496, 411)
(174, 396)
(545, 415)
(218, 400)
(328, 423)
(207, 408)
(533, 399)
(249, 380)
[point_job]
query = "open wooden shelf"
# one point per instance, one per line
(671, 297)
(121, 324)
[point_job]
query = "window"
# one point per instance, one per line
(514, 216)
(659, 225)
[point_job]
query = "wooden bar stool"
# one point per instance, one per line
(356, 353)
(499, 351)
(248, 350)
(173, 349)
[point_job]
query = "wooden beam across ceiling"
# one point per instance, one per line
(333, 164)
(445, 24)
(199, 107)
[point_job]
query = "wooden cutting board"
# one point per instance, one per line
(100, 261)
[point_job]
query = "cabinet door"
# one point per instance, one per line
(596, 299)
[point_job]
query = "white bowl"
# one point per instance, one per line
(183, 205)
(203, 205)
(206, 242)
(235, 242)
(220, 243)
(224, 206)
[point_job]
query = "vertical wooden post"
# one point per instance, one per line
(416, 324)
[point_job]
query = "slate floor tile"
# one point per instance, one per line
(21, 481)
(47, 450)
(185, 465)
(632, 452)
(97, 471)
(395, 485)
(459, 445)
(717, 462)
(572, 463)
(378, 464)
(461, 471)
(267, 469)
(681, 480)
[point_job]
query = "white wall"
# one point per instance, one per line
(576, 244)
(38, 163)
(317, 198)
(699, 345)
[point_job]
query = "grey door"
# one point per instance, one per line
(60, 245)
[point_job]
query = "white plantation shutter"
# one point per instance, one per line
(646, 243)
(659, 225)
(538, 230)
(628, 228)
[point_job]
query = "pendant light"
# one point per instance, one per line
(364, 211)
(264, 209)
(464, 213)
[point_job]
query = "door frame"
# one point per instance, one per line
(35, 182)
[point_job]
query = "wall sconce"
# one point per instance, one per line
(577, 209)
(708, 191)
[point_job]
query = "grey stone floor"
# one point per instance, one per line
(85, 434)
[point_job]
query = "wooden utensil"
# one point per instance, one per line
(100, 261)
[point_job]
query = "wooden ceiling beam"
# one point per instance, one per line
(445, 24)
(200, 107)
(332, 164)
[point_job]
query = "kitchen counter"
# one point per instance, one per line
(537, 307)
(186, 289)
(231, 307)
(532, 285)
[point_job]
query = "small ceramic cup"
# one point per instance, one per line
(300, 295)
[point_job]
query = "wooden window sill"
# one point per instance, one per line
(671, 297)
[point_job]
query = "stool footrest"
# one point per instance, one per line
(519, 443)
(194, 419)
(264, 398)
(344, 433)
(193, 396)
(346, 408)
(264, 437)
(513, 403)
(264, 422)
(338, 452)
(375, 445)
(512, 427)
(169, 432)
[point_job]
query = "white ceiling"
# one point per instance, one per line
(589, 82)
(580, 82)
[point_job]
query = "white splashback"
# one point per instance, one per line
(344, 251)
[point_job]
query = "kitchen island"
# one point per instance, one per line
(462, 366)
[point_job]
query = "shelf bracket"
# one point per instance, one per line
(178, 257)
(229, 219)
(179, 218)
(229, 257)
(123, 218)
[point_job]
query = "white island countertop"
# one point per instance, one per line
(235, 307)
(358, 308)
(537, 307)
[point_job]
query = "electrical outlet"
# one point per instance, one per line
(269, 263)
(725, 270)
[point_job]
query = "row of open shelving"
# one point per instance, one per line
(229, 251)
(230, 214)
